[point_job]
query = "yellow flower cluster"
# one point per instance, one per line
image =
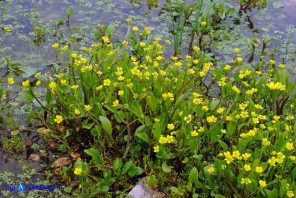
(276, 86)
(251, 133)
(246, 181)
(243, 74)
(167, 139)
(168, 96)
(222, 81)
(205, 69)
(278, 159)
(211, 119)
(251, 91)
(231, 157)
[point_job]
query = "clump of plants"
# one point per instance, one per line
(124, 111)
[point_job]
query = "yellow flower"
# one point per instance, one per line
(188, 119)
(259, 169)
(220, 110)
(239, 59)
(265, 142)
(7, 28)
(120, 92)
(282, 66)
(66, 47)
(78, 171)
(236, 50)
(100, 87)
(194, 133)
(247, 167)
(38, 82)
(236, 154)
(168, 42)
(228, 118)
(223, 131)
(58, 119)
(171, 126)
(37, 74)
(106, 39)
(107, 82)
(63, 81)
(211, 169)
(135, 28)
(246, 156)
(203, 23)
(10, 80)
(128, 20)
(272, 161)
(290, 194)
(289, 146)
(234, 88)
(52, 85)
(56, 45)
(26, 83)
(201, 129)
(115, 103)
(156, 148)
(77, 112)
(262, 183)
(170, 138)
(162, 140)
(211, 119)
(87, 107)
(272, 62)
(227, 67)
(196, 48)
(74, 87)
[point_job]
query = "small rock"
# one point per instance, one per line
(142, 189)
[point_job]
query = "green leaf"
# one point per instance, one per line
(136, 109)
(106, 124)
(15, 132)
(223, 145)
(95, 154)
(142, 134)
(152, 102)
(126, 167)
(193, 176)
(180, 80)
(278, 4)
(68, 189)
(133, 171)
(27, 95)
(166, 168)
(69, 11)
(117, 165)
(28, 71)
(95, 131)
(151, 180)
(214, 104)
(110, 29)
(1, 93)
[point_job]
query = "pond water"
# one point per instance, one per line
(25, 49)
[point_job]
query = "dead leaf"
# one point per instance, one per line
(75, 155)
(43, 130)
(27, 142)
(34, 157)
(63, 161)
